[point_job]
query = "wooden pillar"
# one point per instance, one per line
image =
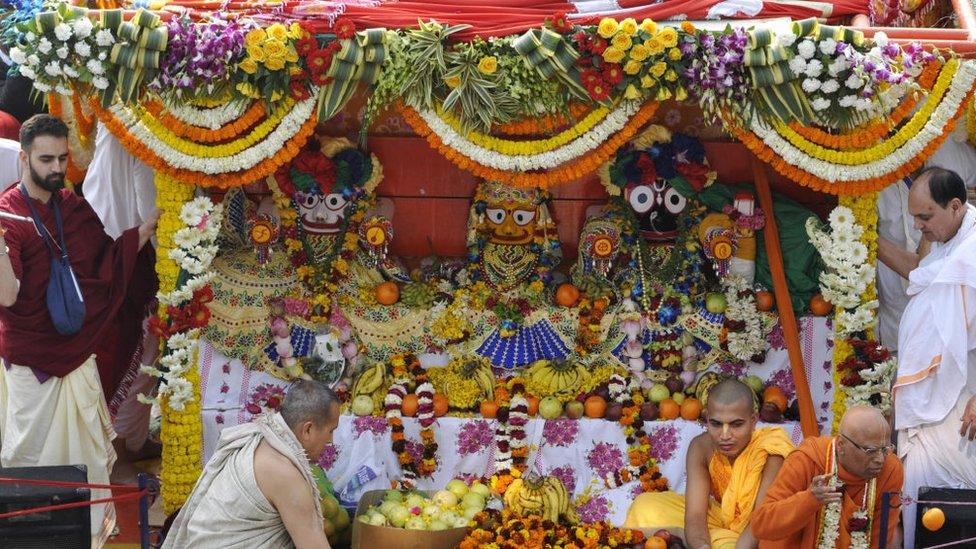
(791, 331)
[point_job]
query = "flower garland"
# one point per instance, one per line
(641, 463)
(210, 118)
(957, 79)
(80, 135)
(580, 166)
(859, 524)
(511, 454)
(544, 124)
(746, 338)
(866, 374)
(406, 370)
(202, 130)
(507, 530)
(281, 146)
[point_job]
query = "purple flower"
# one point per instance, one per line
(415, 449)
(468, 478)
(560, 432)
(219, 418)
(375, 425)
(784, 380)
(776, 338)
(474, 437)
(737, 369)
(329, 456)
(605, 458)
(567, 476)
(595, 510)
(664, 442)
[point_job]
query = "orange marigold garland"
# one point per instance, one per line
(512, 452)
(545, 124)
(198, 134)
(507, 530)
(567, 172)
(642, 465)
(406, 371)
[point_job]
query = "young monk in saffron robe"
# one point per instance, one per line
(729, 469)
(840, 479)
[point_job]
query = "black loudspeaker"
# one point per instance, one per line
(64, 529)
(960, 520)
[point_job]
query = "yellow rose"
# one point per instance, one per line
(663, 94)
(653, 46)
(639, 52)
(670, 76)
(275, 64)
(452, 81)
(277, 31)
(657, 69)
(647, 81)
(669, 37)
(249, 90)
(274, 49)
(488, 65)
(648, 26)
(628, 26)
(608, 27)
(680, 94)
(295, 31)
(622, 42)
(632, 67)
(613, 55)
(256, 52)
(631, 92)
(249, 66)
(688, 27)
(674, 54)
(291, 55)
(255, 37)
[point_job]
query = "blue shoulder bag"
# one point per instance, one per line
(65, 303)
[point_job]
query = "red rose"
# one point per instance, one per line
(696, 174)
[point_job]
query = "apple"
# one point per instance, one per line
(575, 409)
(648, 411)
(754, 383)
(664, 534)
(415, 500)
(393, 495)
(479, 488)
(614, 412)
(550, 408)
(415, 523)
(716, 303)
(675, 384)
(472, 499)
(329, 507)
(399, 516)
(445, 498)
(458, 488)
(362, 405)
(659, 392)
(678, 398)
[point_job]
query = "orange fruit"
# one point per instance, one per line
(669, 409)
(820, 306)
(567, 295)
(595, 406)
(489, 409)
(387, 293)
(765, 301)
(691, 409)
(775, 395)
(533, 404)
(933, 519)
(410, 405)
(655, 542)
(440, 405)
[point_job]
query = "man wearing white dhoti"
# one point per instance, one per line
(257, 491)
(935, 406)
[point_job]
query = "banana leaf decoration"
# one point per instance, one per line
(549, 54)
(359, 60)
(139, 46)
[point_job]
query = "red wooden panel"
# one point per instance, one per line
(443, 220)
(412, 168)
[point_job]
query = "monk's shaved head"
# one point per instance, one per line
(732, 392)
(865, 422)
(864, 441)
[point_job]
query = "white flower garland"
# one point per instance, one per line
(614, 122)
(831, 515)
(847, 275)
(290, 124)
(962, 83)
(199, 246)
(875, 381)
(750, 341)
(213, 119)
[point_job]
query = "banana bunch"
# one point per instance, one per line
(562, 379)
(371, 383)
(594, 287)
(417, 295)
(705, 383)
(546, 497)
(480, 372)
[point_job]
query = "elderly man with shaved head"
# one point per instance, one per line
(729, 469)
(935, 390)
(830, 488)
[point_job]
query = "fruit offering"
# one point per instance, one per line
(545, 496)
(335, 517)
(452, 507)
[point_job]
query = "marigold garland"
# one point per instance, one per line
(406, 371)
(505, 529)
(542, 125)
(182, 438)
(80, 151)
(565, 173)
(199, 134)
(261, 170)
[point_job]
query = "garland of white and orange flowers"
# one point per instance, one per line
(830, 515)
(212, 118)
(617, 388)
(927, 125)
(611, 124)
(290, 125)
(750, 341)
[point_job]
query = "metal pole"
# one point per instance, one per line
(143, 512)
(883, 531)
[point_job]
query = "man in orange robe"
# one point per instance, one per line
(826, 471)
(730, 467)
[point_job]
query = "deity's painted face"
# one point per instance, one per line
(321, 214)
(657, 206)
(510, 222)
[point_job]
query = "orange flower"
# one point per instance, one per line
(205, 135)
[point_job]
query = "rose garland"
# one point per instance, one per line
(406, 370)
(581, 166)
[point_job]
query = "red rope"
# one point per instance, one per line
(60, 484)
(61, 506)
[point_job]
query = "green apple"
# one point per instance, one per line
(399, 516)
(658, 392)
(458, 488)
(445, 498)
(716, 303)
(481, 489)
(393, 495)
(415, 523)
(678, 397)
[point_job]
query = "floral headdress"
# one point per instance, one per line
(331, 163)
(657, 154)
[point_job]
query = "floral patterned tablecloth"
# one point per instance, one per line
(580, 452)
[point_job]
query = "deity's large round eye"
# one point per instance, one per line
(674, 201)
(335, 202)
(308, 201)
(523, 217)
(641, 198)
(496, 215)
